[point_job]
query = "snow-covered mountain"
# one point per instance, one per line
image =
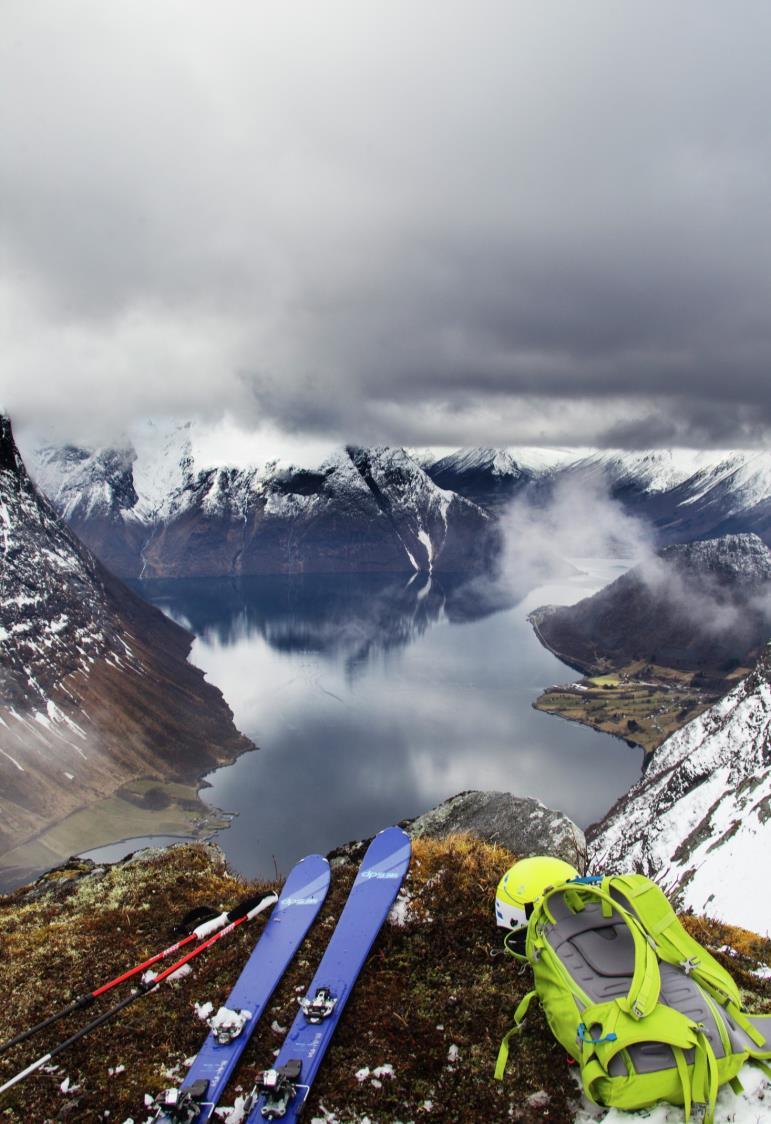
(685, 494)
(699, 821)
(95, 686)
(159, 505)
(490, 477)
(149, 510)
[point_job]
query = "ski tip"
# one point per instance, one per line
(313, 858)
(394, 830)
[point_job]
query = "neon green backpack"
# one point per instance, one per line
(646, 1012)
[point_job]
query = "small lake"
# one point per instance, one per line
(374, 697)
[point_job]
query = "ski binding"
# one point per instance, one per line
(320, 1007)
(183, 1105)
(278, 1086)
(226, 1025)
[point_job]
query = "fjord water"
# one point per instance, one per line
(374, 697)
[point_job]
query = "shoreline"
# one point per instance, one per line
(179, 812)
(640, 703)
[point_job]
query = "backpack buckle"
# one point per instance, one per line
(584, 1035)
(689, 964)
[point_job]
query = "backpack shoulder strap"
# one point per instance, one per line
(643, 994)
(653, 910)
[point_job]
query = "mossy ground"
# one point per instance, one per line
(432, 1002)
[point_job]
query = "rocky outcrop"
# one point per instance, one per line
(520, 824)
(95, 686)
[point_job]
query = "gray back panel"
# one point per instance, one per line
(599, 954)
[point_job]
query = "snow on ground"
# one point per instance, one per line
(696, 821)
(753, 1106)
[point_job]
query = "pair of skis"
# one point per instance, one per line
(281, 1091)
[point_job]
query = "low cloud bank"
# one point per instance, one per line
(545, 537)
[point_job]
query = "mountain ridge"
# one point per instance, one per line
(155, 505)
(361, 509)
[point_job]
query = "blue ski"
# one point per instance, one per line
(301, 898)
(283, 1089)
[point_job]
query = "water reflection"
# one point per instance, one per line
(348, 617)
(373, 698)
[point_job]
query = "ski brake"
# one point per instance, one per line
(278, 1087)
(183, 1105)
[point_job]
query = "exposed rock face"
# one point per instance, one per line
(360, 510)
(520, 824)
(95, 686)
(704, 605)
(699, 821)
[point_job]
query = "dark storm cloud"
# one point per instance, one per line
(462, 223)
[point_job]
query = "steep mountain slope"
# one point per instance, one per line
(154, 507)
(704, 605)
(699, 821)
(110, 497)
(684, 494)
(151, 512)
(489, 477)
(95, 686)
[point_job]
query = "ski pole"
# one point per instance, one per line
(245, 912)
(200, 932)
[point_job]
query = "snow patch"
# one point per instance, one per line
(749, 1107)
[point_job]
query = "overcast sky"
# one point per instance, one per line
(419, 222)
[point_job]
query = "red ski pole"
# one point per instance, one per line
(199, 933)
(245, 912)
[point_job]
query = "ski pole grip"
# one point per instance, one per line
(267, 900)
(252, 906)
(201, 932)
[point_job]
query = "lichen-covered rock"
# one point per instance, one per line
(521, 824)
